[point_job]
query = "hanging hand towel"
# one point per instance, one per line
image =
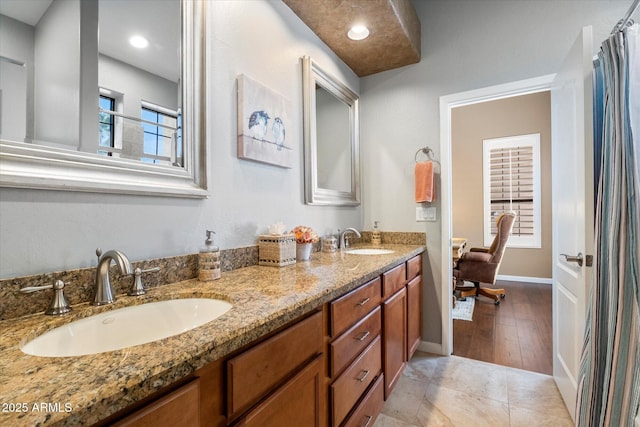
(424, 182)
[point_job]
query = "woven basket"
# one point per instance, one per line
(277, 250)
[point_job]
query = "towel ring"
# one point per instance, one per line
(428, 152)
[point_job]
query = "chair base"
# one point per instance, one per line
(495, 294)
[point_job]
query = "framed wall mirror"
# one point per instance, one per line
(82, 108)
(331, 139)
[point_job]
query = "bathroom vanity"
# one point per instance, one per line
(321, 342)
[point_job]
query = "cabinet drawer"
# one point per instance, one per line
(351, 385)
(349, 308)
(414, 267)
(393, 280)
(346, 347)
(178, 408)
(254, 373)
(370, 407)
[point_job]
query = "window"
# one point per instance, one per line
(511, 182)
(106, 123)
(162, 141)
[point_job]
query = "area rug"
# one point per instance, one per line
(464, 309)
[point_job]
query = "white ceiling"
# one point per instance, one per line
(157, 20)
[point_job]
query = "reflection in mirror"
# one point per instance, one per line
(331, 139)
(139, 80)
(95, 100)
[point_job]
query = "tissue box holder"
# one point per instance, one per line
(277, 250)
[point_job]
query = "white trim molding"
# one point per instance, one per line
(525, 279)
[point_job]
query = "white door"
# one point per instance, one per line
(572, 176)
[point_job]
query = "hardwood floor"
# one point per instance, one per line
(517, 333)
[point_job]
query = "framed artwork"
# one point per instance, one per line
(264, 124)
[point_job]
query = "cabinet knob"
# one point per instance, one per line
(362, 376)
(368, 421)
(363, 302)
(363, 336)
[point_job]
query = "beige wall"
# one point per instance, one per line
(470, 126)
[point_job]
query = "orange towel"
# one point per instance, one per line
(424, 182)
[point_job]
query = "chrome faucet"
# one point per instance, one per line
(344, 241)
(103, 289)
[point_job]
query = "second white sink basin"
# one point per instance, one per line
(369, 251)
(126, 327)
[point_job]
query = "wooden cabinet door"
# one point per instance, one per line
(414, 315)
(299, 402)
(394, 319)
(255, 372)
(178, 408)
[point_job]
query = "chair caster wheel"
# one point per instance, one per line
(502, 296)
(497, 302)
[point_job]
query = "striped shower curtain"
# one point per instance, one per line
(609, 379)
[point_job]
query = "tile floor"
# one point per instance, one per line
(458, 392)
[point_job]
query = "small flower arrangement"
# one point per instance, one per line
(305, 234)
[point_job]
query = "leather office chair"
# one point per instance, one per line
(480, 265)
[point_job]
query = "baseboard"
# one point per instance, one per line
(525, 279)
(430, 347)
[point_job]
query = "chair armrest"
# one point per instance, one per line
(476, 257)
(479, 250)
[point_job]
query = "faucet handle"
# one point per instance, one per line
(98, 252)
(59, 304)
(138, 288)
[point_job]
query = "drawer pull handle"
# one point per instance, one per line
(364, 375)
(363, 336)
(364, 301)
(369, 418)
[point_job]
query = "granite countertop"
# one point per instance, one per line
(85, 389)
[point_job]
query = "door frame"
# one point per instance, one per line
(447, 103)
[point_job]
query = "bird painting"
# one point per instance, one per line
(278, 132)
(258, 124)
(263, 116)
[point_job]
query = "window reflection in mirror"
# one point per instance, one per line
(72, 86)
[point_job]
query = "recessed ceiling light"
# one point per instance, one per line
(358, 32)
(139, 42)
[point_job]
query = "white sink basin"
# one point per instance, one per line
(369, 251)
(126, 327)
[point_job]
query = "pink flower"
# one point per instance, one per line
(305, 234)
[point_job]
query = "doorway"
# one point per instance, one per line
(521, 182)
(447, 104)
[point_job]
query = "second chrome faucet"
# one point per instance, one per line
(344, 240)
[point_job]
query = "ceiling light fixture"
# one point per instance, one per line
(358, 32)
(139, 42)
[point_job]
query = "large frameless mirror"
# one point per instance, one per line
(103, 96)
(331, 139)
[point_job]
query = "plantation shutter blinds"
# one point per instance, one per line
(512, 187)
(511, 182)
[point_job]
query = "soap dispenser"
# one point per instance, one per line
(376, 235)
(209, 260)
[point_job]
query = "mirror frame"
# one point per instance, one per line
(24, 165)
(312, 74)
